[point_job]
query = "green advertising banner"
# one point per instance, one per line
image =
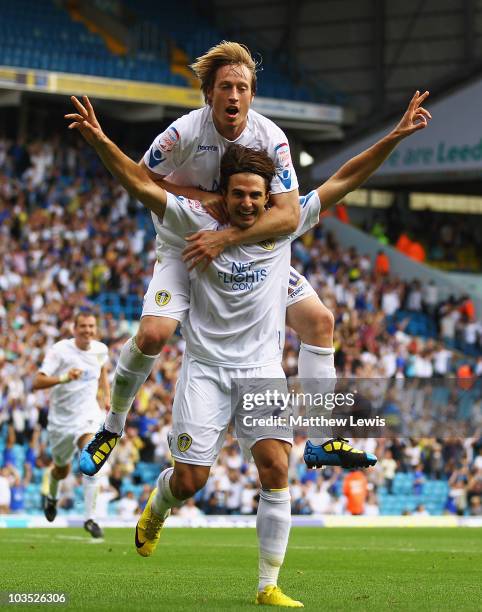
(452, 142)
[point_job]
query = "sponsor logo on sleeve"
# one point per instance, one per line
(166, 143)
(306, 198)
(168, 139)
(192, 204)
(295, 286)
(283, 164)
(155, 157)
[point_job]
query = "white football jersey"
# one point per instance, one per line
(189, 153)
(238, 305)
(74, 402)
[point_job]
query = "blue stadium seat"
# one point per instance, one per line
(147, 472)
(434, 497)
(42, 35)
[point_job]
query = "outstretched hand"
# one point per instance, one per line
(416, 117)
(85, 121)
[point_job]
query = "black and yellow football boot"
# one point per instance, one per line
(337, 452)
(97, 451)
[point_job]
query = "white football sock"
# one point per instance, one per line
(164, 500)
(131, 372)
(317, 363)
(90, 484)
(53, 486)
(273, 524)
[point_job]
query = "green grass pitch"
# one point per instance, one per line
(216, 569)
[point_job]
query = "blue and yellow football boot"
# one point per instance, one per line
(97, 451)
(337, 452)
(272, 595)
(148, 529)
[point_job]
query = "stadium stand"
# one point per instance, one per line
(70, 237)
(43, 35)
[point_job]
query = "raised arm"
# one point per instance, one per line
(123, 168)
(358, 169)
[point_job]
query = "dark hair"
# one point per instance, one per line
(237, 159)
(84, 313)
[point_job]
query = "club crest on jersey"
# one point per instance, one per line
(162, 297)
(283, 164)
(184, 442)
(267, 245)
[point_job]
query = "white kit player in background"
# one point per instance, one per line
(75, 371)
(232, 331)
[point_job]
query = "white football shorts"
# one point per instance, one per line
(204, 406)
(63, 441)
(299, 288)
(168, 291)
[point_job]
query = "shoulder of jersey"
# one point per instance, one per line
(312, 197)
(99, 347)
(260, 121)
(66, 342)
(197, 117)
(193, 205)
(62, 345)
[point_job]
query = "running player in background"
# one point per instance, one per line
(75, 370)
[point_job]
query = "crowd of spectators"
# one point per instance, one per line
(68, 234)
(453, 242)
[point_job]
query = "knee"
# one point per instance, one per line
(152, 336)
(319, 326)
(312, 321)
(273, 474)
(322, 320)
(187, 484)
(60, 472)
(184, 490)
